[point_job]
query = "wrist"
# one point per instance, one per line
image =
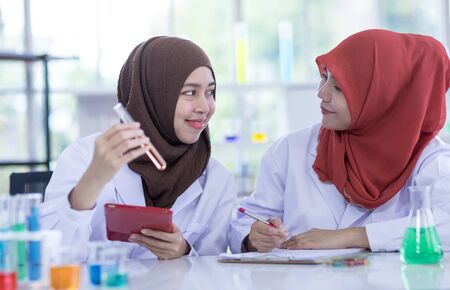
(92, 180)
(84, 195)
(358, 237)
(247, 245)
(187, 248)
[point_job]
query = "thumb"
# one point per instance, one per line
(174, 228)
(276, 221)
(279, 224)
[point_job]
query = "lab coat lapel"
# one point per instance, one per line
(334, 200)
(128, 186)
(187, 197)
(352, 215)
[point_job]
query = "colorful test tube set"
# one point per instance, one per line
(24, 248)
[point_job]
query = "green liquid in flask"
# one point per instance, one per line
(421, 248)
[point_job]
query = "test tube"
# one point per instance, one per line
(8, 263)
(34, 245)
(18, 226)
(152, 153)
(4, 228)
(5, 214)
(8, 250)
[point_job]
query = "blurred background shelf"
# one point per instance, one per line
(262, 52)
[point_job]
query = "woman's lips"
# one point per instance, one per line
(196, 124)
(325, 111)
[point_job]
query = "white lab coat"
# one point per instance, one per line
(288, 188)
(202, 212)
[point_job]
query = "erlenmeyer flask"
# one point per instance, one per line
(421, 244)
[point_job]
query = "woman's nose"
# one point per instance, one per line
(324, 94)
(202, 105)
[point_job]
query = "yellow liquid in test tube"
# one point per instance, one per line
(259, 138)
(241, 48)
(241, 58)
(65, 277)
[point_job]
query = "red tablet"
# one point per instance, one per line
(123, 220)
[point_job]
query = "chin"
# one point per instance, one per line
(330, 126)
(327, 126)
(334, 128)
(190, 139)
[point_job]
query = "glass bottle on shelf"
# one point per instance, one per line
(421, 244)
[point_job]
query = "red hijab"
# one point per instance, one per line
(395, 87)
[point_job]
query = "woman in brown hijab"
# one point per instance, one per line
(168, 86)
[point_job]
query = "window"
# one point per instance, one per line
(263, 60)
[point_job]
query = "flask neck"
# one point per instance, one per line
(421, 218)
(419, 197)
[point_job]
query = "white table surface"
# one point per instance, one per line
(385, 271)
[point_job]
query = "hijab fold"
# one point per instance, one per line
(149, 86)
(395, 86)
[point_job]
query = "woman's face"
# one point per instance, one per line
(335, 112)
(195, 105)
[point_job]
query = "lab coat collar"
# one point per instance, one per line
(128, 186)
(334, 200)
(352, 215)
(187, 197)
(344, 214)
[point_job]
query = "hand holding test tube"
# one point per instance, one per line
(152, 153)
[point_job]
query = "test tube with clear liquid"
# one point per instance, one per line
(152, 153)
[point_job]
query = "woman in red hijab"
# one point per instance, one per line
(344, 184)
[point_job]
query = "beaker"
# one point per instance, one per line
(65, 269)
(421, 244)
(113, 273)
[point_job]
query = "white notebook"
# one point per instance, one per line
(277, 256)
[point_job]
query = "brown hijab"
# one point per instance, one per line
(149, 85)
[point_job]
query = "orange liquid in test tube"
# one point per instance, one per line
(65, 277)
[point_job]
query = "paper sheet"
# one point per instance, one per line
(291, 255)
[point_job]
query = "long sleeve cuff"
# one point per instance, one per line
(239, 230)
(386, 236)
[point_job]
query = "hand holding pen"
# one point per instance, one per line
(265, 235)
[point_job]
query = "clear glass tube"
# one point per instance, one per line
(152, 153)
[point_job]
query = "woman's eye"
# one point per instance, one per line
(189, 93)
(337, 88)
(210, 93)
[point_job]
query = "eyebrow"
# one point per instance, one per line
(195, 85)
